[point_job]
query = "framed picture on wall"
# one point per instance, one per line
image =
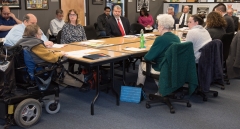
(142, 4)
(100, 2)
(36, 4)
(11, 3)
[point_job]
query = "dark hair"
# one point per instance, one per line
(198, 19)
(144, 10)
(26, 18)
(59, 11)
(107, 8)
(222, 7)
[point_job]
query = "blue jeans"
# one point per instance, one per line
(102, 33)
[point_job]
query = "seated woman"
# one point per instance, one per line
(198, 35)
(32, 42)
(216, 25)
(72, 31)
(145, 19)
(159, 47)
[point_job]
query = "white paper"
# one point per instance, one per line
(129, 36)
(58, 45)
(146, 35)
(96, 41)
(134, 49)
(80, 53)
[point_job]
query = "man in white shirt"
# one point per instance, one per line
(183, 17)
(57, 23)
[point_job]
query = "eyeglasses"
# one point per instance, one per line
(72, 15)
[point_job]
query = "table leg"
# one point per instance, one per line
(97, 92)
(124, 83)
(112, 77)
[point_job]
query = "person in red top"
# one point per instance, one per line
(145, 19)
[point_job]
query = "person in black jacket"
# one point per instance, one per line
(235, 19)
(221, 9)
(102, 21)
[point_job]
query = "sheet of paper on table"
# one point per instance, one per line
(80, 53)
(58, 45)
(134, 49)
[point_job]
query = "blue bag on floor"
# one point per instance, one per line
(131, 94)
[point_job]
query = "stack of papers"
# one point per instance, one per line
(80, 53)
(146, 35)
(58, 45)
(95, 43)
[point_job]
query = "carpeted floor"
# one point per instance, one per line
(221, 112)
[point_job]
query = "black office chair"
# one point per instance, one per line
(226, 40)
(210, 68)
(135, 28)
(59, 37)
(177, 68)
(90, 32)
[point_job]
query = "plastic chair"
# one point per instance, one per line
(59, 35)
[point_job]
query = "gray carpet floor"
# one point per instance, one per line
(222, 112)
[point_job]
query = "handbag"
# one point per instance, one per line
(132, 94)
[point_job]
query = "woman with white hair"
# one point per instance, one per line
(160, 45)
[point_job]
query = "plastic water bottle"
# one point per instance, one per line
(142, 39)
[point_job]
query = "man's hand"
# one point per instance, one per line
(48, 44)
(12, 15)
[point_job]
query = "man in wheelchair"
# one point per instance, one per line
(35, 66)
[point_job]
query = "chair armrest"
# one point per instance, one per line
(148, 67)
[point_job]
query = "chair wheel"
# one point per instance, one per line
(172, 111)
(215, 94)
(148, 106)
(189, 104)
(204, 98)
(51, 107)
(150, 97)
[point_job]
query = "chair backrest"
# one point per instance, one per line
(95, 26)
(226, 40)
(210, 64)
(135, 28)
(178, 67)
(90, 32)
(59, 37)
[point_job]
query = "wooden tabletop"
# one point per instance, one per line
(112, 54)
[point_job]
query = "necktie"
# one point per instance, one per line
(183, 20)
(120, 28)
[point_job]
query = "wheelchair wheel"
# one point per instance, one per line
(28, 113)
(51, 107)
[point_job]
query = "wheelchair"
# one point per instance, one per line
(22, 91)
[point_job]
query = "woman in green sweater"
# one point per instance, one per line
(160, 45)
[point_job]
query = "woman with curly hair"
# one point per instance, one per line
(215, 25)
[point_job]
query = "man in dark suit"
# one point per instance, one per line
(235, 19)
(183, 17)
(221, 9)
(117, 25)
(102, 21)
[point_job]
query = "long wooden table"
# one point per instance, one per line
(114, 57)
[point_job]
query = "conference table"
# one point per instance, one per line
(117, 48)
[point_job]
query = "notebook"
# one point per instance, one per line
(96, 56)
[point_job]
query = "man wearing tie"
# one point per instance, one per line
(102, 21)
(183, 17)
(117, 25)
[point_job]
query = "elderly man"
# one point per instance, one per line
(117, 25)
(57, 23)
(16, 32)
(170, 11)
(221, 9)
(7, 21)
(235, 19)
(102, 21)
(183, 17)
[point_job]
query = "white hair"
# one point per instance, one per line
(117, 7)
(171, 8)
(165, 20)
